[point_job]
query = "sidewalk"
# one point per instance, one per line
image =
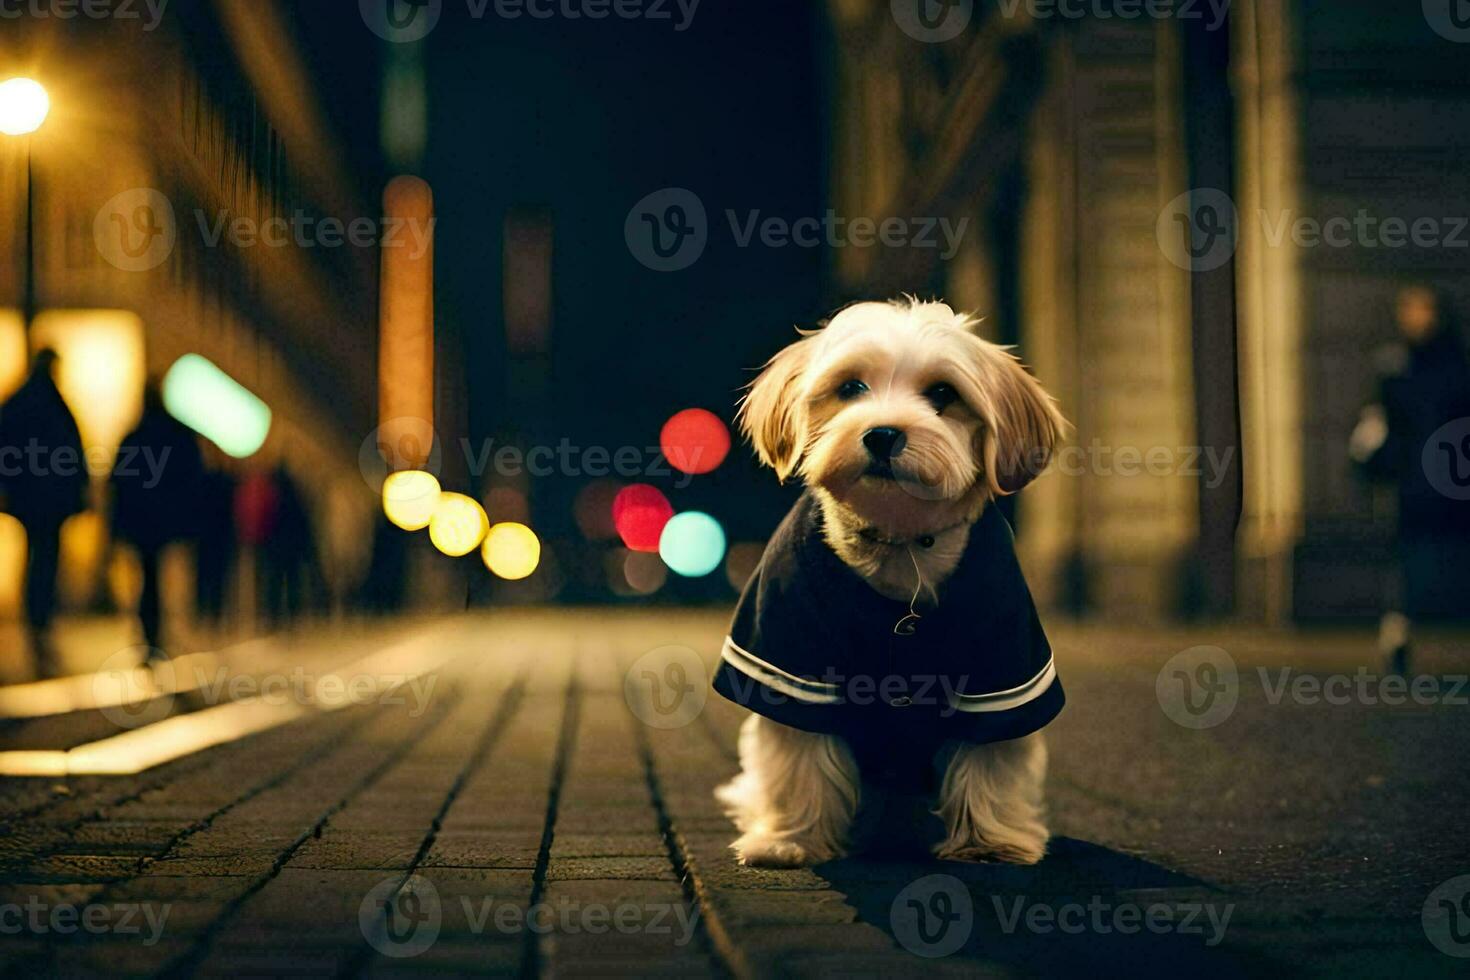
(536, 816)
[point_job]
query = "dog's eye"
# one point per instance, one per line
(941, 396)
(851, 389)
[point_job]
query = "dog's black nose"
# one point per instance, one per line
(885, 442)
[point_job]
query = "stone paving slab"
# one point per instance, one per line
(550, 831)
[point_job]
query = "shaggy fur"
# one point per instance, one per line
(975, 426)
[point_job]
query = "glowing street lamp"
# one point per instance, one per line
(23, 108)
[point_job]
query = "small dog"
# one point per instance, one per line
(887, 644)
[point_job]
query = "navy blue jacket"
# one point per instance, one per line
(813, 646)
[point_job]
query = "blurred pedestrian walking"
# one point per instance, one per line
(43, 480)
(1415, 434)
(217, 546)
(296, 583)
(156, 484)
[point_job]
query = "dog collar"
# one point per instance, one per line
(925, 541)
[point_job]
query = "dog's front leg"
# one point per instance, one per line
(991, 802)
(795, 797)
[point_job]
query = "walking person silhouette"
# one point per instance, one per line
(43, 480)
(156, 485)
(1415, 434)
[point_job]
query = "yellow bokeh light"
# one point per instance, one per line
(101, 374)
(12, 565)
(459, 524)
(83, 547)
(15, 360)
(512, 551)
(23, 106)
(409, 499)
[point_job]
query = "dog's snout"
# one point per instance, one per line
(885, 442)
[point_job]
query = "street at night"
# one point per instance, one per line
(531, 779)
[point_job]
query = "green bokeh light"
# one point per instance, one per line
(216, 406)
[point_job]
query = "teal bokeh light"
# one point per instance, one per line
(216, 406)
(692, 544)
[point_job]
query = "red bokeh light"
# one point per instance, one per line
(640, 513)
(257, 508)
(695, 441)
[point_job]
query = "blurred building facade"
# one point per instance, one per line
(158, 142)
(1067, 142)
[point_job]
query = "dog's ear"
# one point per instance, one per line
(771, 412)
(1021, 425)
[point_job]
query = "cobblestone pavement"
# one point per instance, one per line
(535, 798)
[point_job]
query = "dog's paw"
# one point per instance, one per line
(1010, 852)
(775, 852)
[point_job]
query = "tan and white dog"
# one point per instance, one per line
(904, 426)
